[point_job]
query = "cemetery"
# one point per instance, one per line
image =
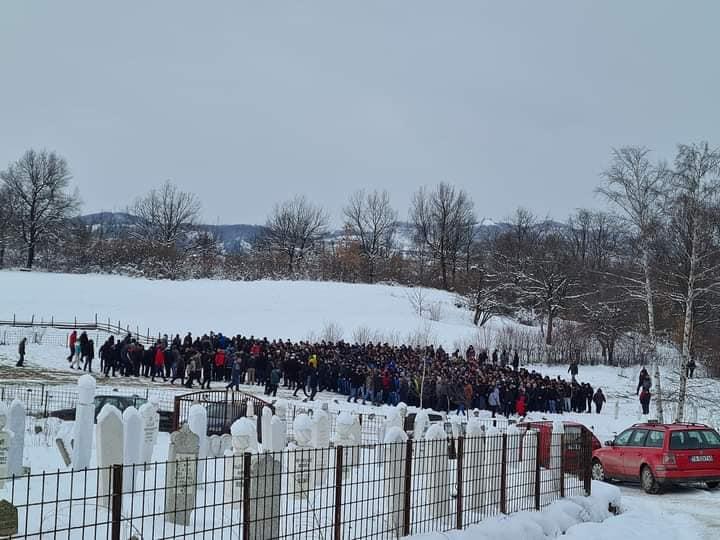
(283, 471)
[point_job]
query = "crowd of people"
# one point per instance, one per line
(365, 373)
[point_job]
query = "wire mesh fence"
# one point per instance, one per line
(380, 492)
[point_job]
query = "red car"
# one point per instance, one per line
(574, 433)
(661, 454)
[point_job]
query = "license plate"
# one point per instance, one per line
(701, 459)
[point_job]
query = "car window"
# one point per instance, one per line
(638, 438)
(655, 439)
(694, 439)
(623, 438)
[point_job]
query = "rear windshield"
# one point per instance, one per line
(695, 439)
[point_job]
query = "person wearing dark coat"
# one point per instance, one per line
(21, 352)
(599, 400)
(516, 361)
(89, 355)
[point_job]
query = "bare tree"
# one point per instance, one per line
(7, 211)
(294, 228)
(444, 222)
(635, 187)
(38, 184)
(371, 219)
(164, 215)
(695, 225)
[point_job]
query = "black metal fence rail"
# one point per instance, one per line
(384, 492)
(41, 400)
(108, 327)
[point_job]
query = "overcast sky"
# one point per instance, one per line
(247, 103)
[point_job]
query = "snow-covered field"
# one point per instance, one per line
(296, 310)
(301, 310)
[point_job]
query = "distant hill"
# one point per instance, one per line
(240, 236)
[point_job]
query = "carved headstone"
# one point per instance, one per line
(151, 428)
(181, 476)
(344, 437)
(421, 421)
(198, 424)
(492, 467)
(225, 443)
(265, 488)
(16, 424)
(8, 519)
(278, 434)
(244, 439)
(214, 446)
(109, 447)
(301, 459)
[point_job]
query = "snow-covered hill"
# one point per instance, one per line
(296, 310)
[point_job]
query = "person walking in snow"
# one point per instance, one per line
(599, 399)
(644, 380)
(21, 352)
(71, 344)
(645, 400)
(691, 368)
(89, 355)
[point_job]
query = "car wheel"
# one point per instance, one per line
(713, 485)
(647, 479)
(598, 471)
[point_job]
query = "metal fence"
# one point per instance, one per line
(223, 407)
(36, 329)
(42, 400)
(387, 491)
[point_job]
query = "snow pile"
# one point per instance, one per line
(559, 518)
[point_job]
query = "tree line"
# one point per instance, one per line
(646, 264)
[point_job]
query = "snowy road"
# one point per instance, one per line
(692, 513)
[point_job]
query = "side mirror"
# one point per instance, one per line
(609, 443)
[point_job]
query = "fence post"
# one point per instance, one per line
(338, 492)
(587, 462)
(459, 464)
(562, 465)
(537, 472)
(117, 482)
(247, 463)
(503, 476)
(408, 487)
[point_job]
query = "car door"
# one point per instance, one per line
(633, 453)
(614, 455)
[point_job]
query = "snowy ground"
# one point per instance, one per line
(301, 310)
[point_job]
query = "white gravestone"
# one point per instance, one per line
(301, 459)
(281, 409)
(437, 464)
(225, 443)
(529, 458)
(344, 437)
(474, 456)
(492, 468)
(265, 421)
(394, 479)
(109, 447)
(244, 439)
(278, 434)
(181, 476)
(556, 454)
(151, 428)
(214, 446)
(5, 439)
(321, 441)
(250, 409)
(265, 490)
(513, 444)
(132, 446)
(16, 424)
(403, 411)
(392, 419)
(421, 421)
(84, 423)
(198, 424)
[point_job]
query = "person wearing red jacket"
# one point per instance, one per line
(71, 343)
(219, 364)
(521, 404)
(159, 363)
